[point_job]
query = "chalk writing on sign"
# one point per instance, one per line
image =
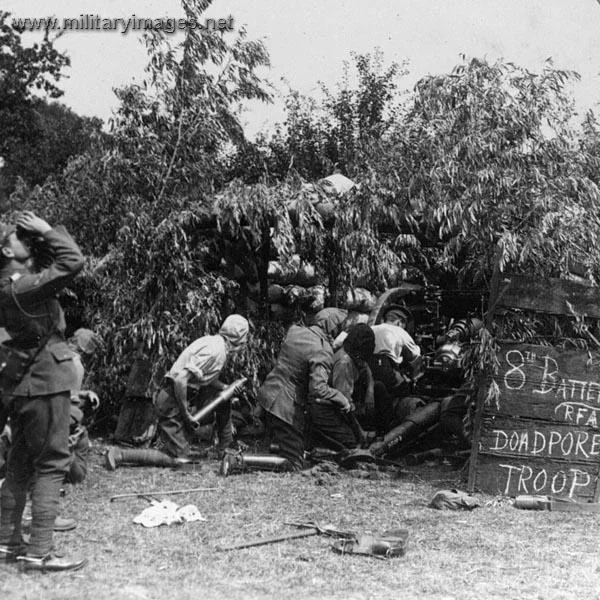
(540, 376)
(541, 435)
(569, 444)
(527, 479)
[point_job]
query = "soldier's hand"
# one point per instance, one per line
(31, 222)
(377, 448)
(240, 386)
(347, 406)
(91, 397)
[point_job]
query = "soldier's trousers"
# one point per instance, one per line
(39, 457)
(389, 387)
(173, 434)
(289, 440)
(330, 428)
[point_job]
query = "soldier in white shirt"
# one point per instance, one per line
(195, 372)
(198, 367)
(394, 349)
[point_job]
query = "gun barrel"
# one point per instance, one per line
(223, 396)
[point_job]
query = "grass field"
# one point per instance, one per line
(495, 551)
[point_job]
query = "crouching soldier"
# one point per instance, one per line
(302, 371)
(394, 347)
(194, 376)
(331, 425)
(84, 403)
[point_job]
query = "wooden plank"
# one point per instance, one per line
(512, 477)
(525, 439)
(541, 434)
(550, 296)
(545, 383)
(596, 497)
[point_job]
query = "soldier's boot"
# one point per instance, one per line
(9, 552)
(143, 458)
(236, 462)
(50, 563)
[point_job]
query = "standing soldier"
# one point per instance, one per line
(38, 375)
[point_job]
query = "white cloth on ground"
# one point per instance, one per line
(166, 513)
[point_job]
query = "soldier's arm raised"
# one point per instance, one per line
(68, 261)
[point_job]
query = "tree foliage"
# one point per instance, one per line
(38, 137)
(487, 156)
(177, 208)
(333, 131)
(140, 198)
(169, 136)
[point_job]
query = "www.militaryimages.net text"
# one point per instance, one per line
(123, 25)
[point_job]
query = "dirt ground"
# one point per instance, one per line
(495, 551)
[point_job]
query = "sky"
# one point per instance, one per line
(309, 40)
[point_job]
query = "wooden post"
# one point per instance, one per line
(482, 380)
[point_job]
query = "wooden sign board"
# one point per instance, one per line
(553, 296)
(540, 432)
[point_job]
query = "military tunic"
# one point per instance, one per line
(300, 376)
(40, 403)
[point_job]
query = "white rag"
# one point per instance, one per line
(166, 513)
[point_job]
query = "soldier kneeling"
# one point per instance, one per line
(196, 372)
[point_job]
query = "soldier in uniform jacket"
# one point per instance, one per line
(330, 426)
(39, 403)
(300, 377)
